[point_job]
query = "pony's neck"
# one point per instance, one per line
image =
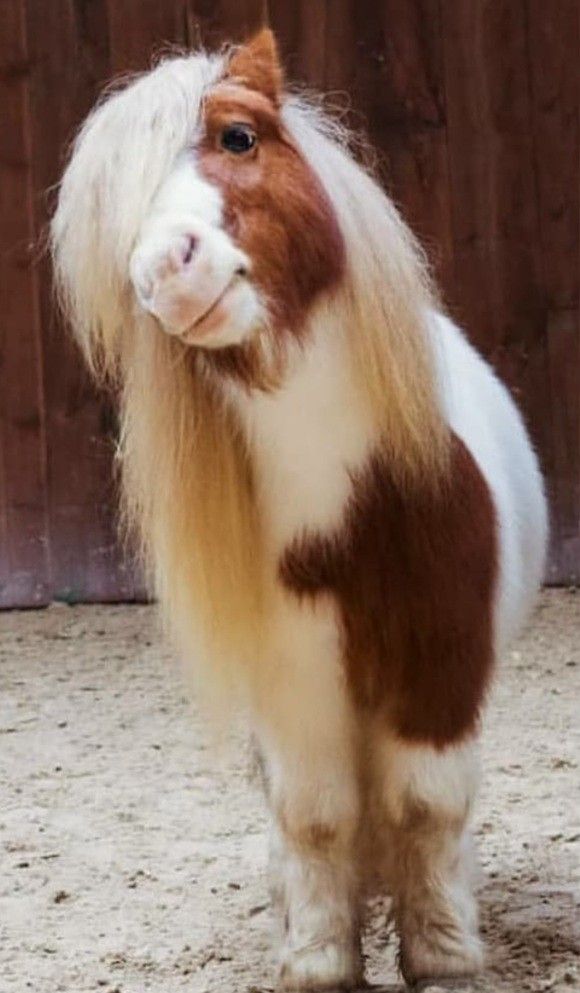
(307, 437)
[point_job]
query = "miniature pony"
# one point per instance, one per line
(341, 509)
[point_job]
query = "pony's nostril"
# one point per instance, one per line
(242, 270)
(190, 249)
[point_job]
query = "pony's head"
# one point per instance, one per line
(204, 145)
(207, 221)
(255, 237)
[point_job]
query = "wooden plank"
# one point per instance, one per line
(69, 62)
(302, 31)
(405, 95)
(553, 37)
(23, 520)
(383, 61)
(512, 97)
(563, 371)
(211, 22)
(498, 272)
(495, 219)
(139, 29)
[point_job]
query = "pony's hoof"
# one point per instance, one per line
(328, 967)
(439, 957)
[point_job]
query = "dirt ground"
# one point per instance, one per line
(133, 859)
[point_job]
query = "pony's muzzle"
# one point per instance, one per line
(185, 272)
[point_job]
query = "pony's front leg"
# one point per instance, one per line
(428, 794)
(305, 730)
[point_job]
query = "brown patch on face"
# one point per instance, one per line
(414, 575)
(275, 208)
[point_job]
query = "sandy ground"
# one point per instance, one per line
(133, 859)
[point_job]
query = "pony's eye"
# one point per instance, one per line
(238, 138)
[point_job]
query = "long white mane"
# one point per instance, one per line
(122, 154)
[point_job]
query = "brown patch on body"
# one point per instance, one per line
(414, 575)
(275, 207)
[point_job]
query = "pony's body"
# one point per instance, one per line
(309, 440)
(341, 506)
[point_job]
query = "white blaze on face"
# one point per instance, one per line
(187, 271)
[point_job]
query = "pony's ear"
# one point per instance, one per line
(257, 65)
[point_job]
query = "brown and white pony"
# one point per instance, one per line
(341, 510)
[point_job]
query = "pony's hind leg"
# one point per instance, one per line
(427, 795)
(305, 736)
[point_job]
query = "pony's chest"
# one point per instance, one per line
(307, 442)
(305, 481)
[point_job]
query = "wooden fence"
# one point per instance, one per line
(474, 104)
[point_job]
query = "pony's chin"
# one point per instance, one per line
(231, 322)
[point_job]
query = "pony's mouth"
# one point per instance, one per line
(207, 321)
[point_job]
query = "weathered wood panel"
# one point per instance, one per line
(23, 521)
(154, 26)
(508, 176)
(69, 61)
(389, 58)
(474, 108)
(211, 22)
(553, 39)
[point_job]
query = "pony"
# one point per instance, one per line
(341, 512)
